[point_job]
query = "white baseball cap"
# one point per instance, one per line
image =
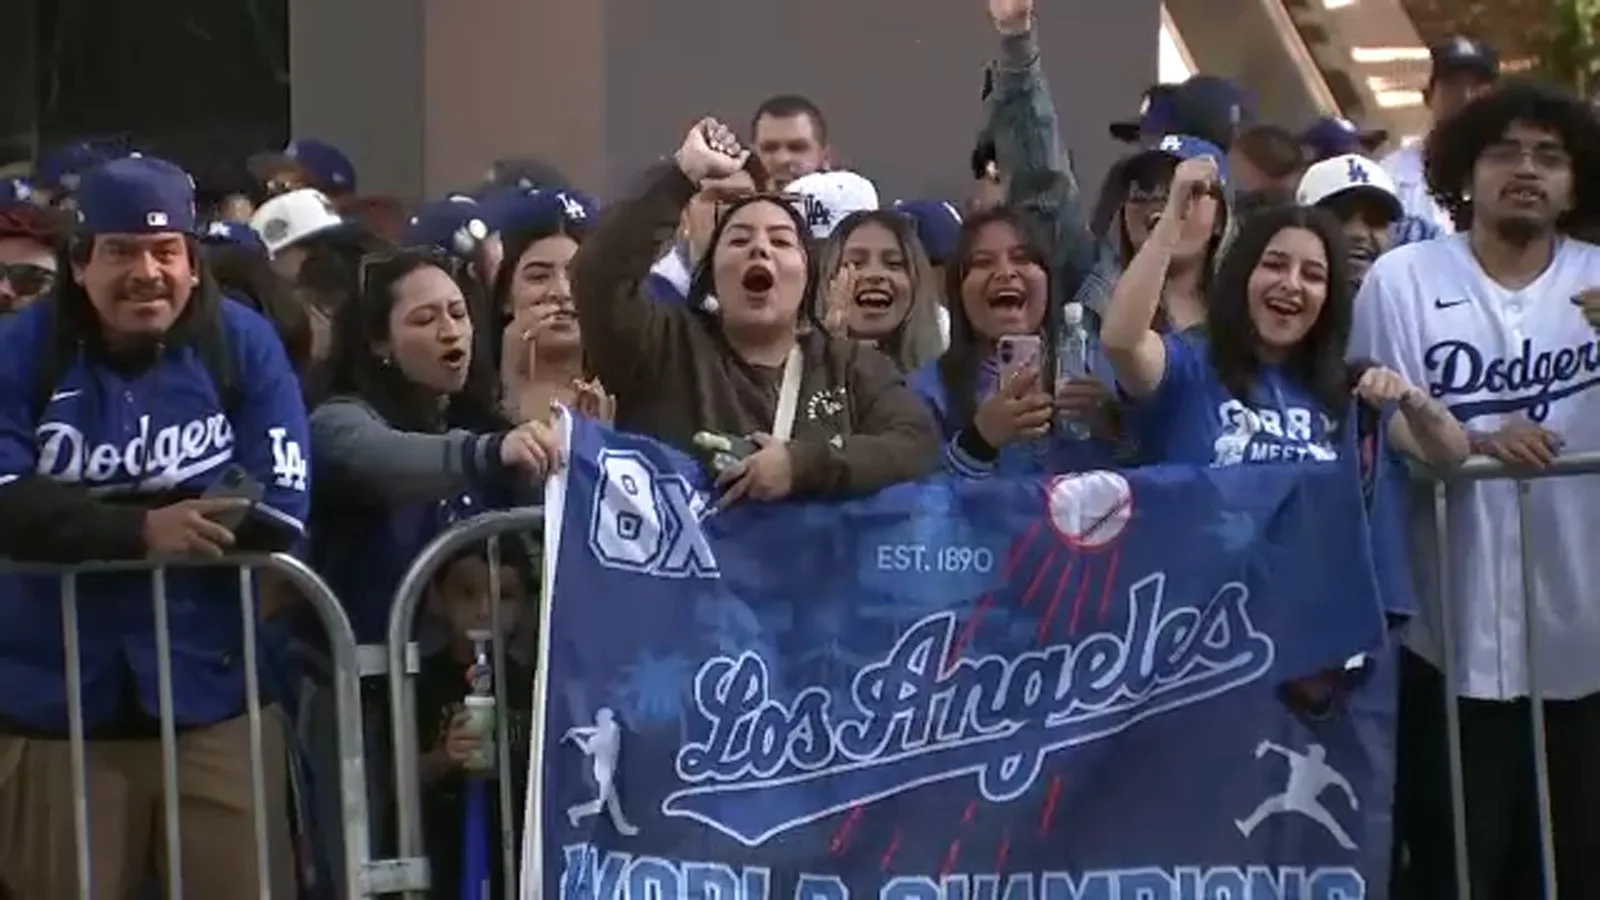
(1343, 174)
(289, 218)
(830, 196)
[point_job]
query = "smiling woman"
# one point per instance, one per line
(879, 277)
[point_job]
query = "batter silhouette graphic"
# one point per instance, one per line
(601, 741)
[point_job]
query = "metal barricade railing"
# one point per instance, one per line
(408, 873)
(1477, 470)
(342, 653)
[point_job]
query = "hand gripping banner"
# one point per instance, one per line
(1076, 688)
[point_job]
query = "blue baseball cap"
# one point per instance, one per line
(325, 166)
(136, 195)
(527, 174)
(1332, 136)
(938, 225)
(1206, 106)
(1153, 118)
(223, 233)
(455, 224)
(1183, 146)
(62, 167)
(515, 209)
(1463, 56)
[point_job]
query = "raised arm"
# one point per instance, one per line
(623, 330)
(1021, 118)
(1132, 346)
(351, 444)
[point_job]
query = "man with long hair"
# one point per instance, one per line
(129, 404)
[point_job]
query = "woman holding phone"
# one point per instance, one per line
(994, 391)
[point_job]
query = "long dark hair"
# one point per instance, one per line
(354, 370)
(958, 367)
(1317, 363)
(333, 259)
(703, 282)
(244, 274)
(515, 243)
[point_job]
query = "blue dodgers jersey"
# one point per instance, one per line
(1193, 419)
(162, 430)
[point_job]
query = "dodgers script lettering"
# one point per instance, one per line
(1536, 377)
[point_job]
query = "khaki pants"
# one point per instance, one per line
(38, 853)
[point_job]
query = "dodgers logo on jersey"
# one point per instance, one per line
(1529, 381)
(167, 457)
(924, 714)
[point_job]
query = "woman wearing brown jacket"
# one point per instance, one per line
(830, 416)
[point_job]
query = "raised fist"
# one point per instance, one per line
(1011, 16)
(710, 150)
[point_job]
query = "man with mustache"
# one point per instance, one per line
(142, 414)
(1362, 196)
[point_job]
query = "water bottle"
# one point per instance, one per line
(1072, 361)
(480, 705)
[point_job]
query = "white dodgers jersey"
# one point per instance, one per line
(1492, 355)
(1411, 186)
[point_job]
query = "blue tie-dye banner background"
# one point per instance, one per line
(1066, 689)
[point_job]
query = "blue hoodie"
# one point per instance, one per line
(113, 441)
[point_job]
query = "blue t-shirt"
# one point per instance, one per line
(1193, 418)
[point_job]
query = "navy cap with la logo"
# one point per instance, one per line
(136, 195)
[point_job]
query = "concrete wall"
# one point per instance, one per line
(425, 93)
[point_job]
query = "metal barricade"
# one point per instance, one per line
(409, 873)
(1477, 470)
(342, 650)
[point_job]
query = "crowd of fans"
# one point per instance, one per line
(300, 368)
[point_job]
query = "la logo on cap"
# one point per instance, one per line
(155, 219)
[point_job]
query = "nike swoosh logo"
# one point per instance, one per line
(1447, 304)
(63, 395)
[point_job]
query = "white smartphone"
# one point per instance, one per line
(1018, 351)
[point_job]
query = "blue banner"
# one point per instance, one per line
(1062, 689)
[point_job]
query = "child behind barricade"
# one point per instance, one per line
(452, 751)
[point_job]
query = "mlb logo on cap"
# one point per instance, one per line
(136, 195)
